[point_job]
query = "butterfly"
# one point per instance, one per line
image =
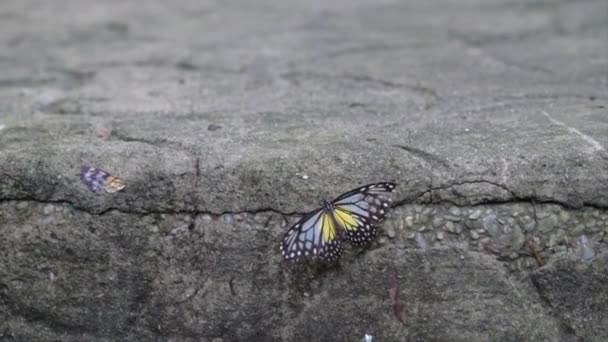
(353, 216)
(96, 180)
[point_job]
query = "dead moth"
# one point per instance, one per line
(96, 179)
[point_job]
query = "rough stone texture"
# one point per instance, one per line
(73, 276)
(577, 293)
(229, 118)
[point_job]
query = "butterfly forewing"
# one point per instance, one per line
(93, 178)
(361, 210)
(96, 180)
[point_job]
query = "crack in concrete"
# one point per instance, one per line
(426, 156)
(158, 143)
(514, 197)
(152, 212)
(449, 186)
(418, 88)
(398, 203)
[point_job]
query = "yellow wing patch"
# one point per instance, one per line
(327, 227)
(346, 219)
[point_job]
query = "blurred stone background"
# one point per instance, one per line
(230, 119)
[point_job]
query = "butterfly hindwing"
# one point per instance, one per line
(315, 235)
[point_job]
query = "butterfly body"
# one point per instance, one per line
(353, 216)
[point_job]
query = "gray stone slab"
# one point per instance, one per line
(69, 276)
(227, 119)
(577, 293)
(479, 102)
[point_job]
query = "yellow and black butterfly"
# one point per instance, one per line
(353, 216)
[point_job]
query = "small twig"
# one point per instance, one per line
(393, 297)
(535, 253)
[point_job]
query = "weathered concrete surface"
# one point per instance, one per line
(577, 293)
(75, 276)
(260, 109)
(435, 96)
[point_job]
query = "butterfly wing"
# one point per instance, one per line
(93, 178)
(113, 184)
(315, 235)
(358, 212)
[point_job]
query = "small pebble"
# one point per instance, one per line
(409, 221)
(552, 241)
(213, 127)
(452, 218)
(513, 255)
(440, 236)
(48, 209)
(517, 238)
(475, 215)
(474, 235)
(490, 224)
(587, 253)
(390, 232)
(437, 221)
(591, 223)
(454, 211)
(548, 223)
(179, 230)
(542, 212)
(421, 241)
(564, 216)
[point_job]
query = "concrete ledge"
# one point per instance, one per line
(229, 120)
